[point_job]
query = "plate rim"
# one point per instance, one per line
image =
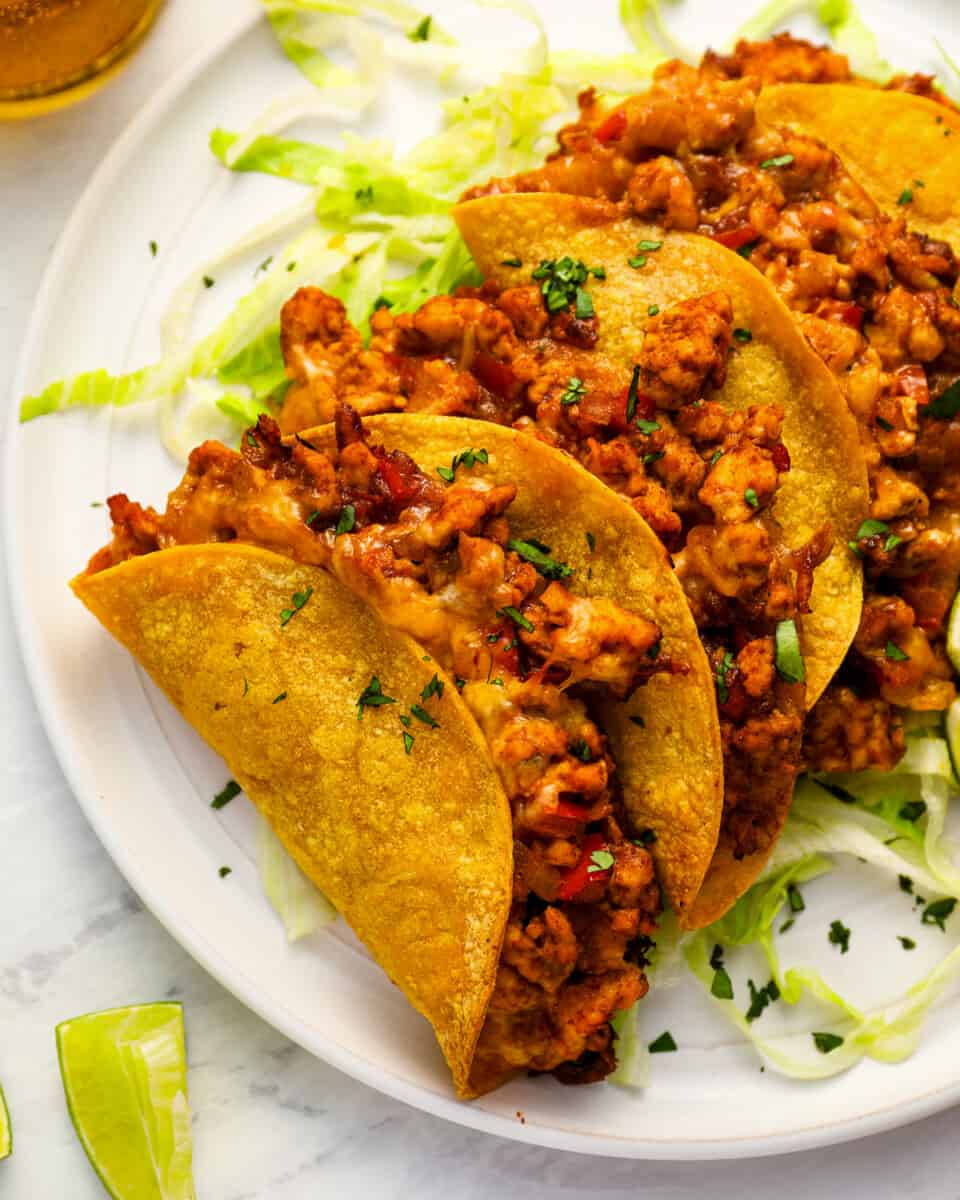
(232, 977)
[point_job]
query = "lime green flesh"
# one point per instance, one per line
(125, 1076)
(953, 634)
(6, 1133)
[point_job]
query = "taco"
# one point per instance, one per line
(672, 379)
(870, 276)
(406, 679)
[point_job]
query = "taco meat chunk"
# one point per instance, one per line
(701, 475)
(435, 557)
(874, 300)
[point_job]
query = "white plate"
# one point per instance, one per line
(145, 780)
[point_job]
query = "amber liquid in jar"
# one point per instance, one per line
(53, 49)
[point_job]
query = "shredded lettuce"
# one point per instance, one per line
(301, 907)
(633, 1057)
(644, 24)
(841, 20)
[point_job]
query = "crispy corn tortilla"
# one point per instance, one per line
(424, 879)
(827, 480)
(888, 141)
(671, 767)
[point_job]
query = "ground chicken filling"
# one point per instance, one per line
(436, 560)
(702, 476)
(874, 300)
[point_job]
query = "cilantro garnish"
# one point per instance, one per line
(591, 541)
(795, 898)
(750, 496)
(422, 31)
(225, 871)
(422, 715)
(313, 516)
(466, 458)
(652, 310)
(208, 282)
(574, 392)
(839, 935)
(906, 943)
(636, 720)
(229, 790)
(538, 555)
(946, 405)
(265, 265)
(153, 249)
(600, 860)
(789, 659)
(906, 884)
(722, 985)
(298, 600)
(937, 912)
(825, 1042)
(348, 518)
(653, 457)
(720, 676)
(372, 696)
(895, 654)
(905, 196)
(761, 998)
(715, 458)
(646, 837)
(781, 160)
(748, 248)
(743, 336)
(511, 262)
(250, 438)
(561, 283)
(408, 740)
(913, 810)
(580, 749)
(647, 427)
(516, 616)
(632, 393)
(664, 1044)
(433, 688)
(278, 698)
(291, 266)
(638, 261)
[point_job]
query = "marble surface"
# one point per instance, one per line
(270, 1121)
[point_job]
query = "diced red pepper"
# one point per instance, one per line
(781, 457)
(604, 409)
(851, 314)
(402, 486)
(613, 128)
(735, 239)
(494, 375)
(575, 879)
(501, 642)
(912, 382)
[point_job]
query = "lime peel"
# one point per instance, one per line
(125, 1077)
(6, 1130)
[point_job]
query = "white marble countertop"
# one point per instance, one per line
(272, 1123)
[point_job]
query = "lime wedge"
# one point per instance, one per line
(125, 1075)
(953, 634)
(6, 1133)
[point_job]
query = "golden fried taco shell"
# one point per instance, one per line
(904, 150)
(671, 765)
(424, 879)
(827, 480)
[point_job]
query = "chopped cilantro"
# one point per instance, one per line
(787, 925)
(278, 698)
(561, 283)
(781, 160)
(516, 616)
(937, 912)
(291, 266)
(751, 498)
(407, 741)
(459, 683)
(446, 474)
(664, 1044)
(153, 249)
(906, 884)
(646, 837)
(720, 676)
(906, 943)
(465, 458)
(422, 715)
(511, 262)
(313, 516)
(795, 898)
(229, 790)
(265, 265)
(638, 261)
(715, 457)
(225, 871)
(722, 985)
(538, 555)
(348, 518)
(891, 543)
(579, 749)
(632, 393)
(839, 935)
(946, 405)
(905, 196)
(884, 424)
(422, 31)
(574, 392)
(742, 335)
(647, 427)
(761, 998)
(405, 721)
(372, 696)
(583, 306)
(649, 247)
(652, 310)
(250, 438)
(653, 457)
(591, 541)
(600, 860)
(895, 654)
(96, 504)
(913, 810)
(789, 658)
(298, 600)
(208, 282)
(637, 720)
(748, 248)
(433, 688)
(825, 1042)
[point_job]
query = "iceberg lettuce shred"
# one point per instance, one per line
(301, 907)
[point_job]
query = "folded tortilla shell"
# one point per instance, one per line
(890, 142)
(415, 850)
(827, 479)
(671, 767)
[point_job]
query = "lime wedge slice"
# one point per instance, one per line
(125, 1075)
(953, 634)
(6, 1133)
